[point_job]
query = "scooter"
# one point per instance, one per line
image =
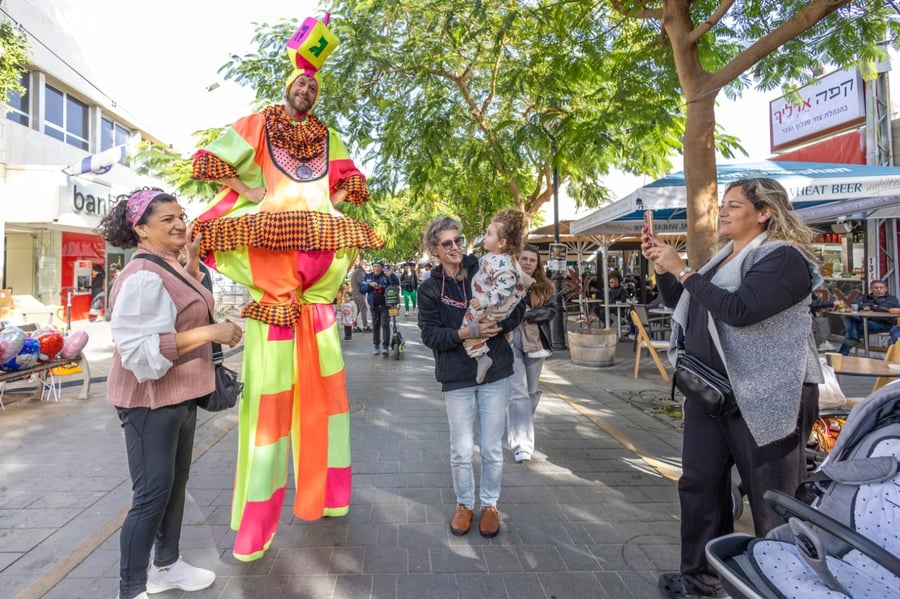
(392, 301)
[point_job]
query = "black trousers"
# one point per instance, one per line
(710, 449)
(381, 326)
(159, 444)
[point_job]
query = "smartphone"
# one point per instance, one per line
(648, 223)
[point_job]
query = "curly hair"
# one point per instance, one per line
(784, 225)
(115, 228)
(511, 223)
(543, 288)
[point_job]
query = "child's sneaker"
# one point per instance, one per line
(541, 353)
(180, 575)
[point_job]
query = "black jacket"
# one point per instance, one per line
(440, 322)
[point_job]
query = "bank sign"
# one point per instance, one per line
(833, 103)
(84, 205)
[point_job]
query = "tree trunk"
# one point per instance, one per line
(700, 179)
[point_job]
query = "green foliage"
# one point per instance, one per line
(474, 103)
(13, 57)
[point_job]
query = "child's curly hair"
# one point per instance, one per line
(512, 229)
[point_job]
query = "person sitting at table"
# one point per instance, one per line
(879, 300)
(617, 295)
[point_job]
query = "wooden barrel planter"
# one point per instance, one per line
(595, 347)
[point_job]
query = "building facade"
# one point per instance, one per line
(62, 125)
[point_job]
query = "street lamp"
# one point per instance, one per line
(558, 330)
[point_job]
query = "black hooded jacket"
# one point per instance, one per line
(439, 323)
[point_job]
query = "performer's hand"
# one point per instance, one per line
(255, 194)
(475, 304)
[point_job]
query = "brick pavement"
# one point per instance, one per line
(594, 514)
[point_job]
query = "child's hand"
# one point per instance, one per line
(474, 303)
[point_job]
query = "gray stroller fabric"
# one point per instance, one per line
(872, 508)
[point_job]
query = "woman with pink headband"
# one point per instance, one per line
(162, 362)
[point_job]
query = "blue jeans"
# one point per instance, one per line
(853, 330)
(524, 397)
(895, 334)
(488, 402)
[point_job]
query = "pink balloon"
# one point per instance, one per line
(73, 344)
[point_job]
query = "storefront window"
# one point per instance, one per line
(112, 134)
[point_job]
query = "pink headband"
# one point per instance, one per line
(137, 204)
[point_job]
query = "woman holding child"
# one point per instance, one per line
(444, 299)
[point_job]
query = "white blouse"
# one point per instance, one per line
(143, 310)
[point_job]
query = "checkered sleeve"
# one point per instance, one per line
(209, 167)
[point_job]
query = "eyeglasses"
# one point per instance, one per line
(448, 244)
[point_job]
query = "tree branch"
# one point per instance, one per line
(639, 12)
(803, 20)
(708, 24)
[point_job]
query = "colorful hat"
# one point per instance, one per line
(309, 47)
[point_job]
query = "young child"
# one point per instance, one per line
(348, 315)
(500, 283)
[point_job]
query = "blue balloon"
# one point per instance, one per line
(26, 358)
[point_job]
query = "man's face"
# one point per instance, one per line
(879, 289)
(376, 268)
(302, 95)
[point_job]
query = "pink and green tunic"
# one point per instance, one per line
(291, 251)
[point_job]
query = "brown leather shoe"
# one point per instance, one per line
(462, 520)
(489, 525)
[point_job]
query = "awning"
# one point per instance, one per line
(851, 188)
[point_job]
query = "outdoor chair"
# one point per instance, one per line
(644, 341)
(657, 327)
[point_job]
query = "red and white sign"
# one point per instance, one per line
(834, 102)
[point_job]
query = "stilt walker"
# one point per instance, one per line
(275, 228)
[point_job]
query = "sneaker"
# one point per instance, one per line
(489, 525)
(384, 351)
(180, 575)
(543, 353)
(368, 329)
(357, 330)
(521, 456)
(826, 346)
(462, 520)
(376, 351)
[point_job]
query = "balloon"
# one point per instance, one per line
(51, 343)
(73, 344)
(11, 341)
(26, 358)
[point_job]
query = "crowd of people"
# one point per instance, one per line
(745, 315)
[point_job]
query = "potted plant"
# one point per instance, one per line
(588, 346)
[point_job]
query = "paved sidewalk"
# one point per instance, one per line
(594, 514)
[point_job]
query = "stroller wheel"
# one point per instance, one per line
(737, 502)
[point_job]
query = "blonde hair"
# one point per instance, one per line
(783, 225)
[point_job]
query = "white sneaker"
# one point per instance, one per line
(541, 353)
(826, 346)
(180, 575)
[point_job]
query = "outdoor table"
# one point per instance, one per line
(852, 366)
(865, 315)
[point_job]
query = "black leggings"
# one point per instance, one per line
(159, 444)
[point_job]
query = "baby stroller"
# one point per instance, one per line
(392, 301)
(841, 541)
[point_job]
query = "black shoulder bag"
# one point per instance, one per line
(702, 386)
(228, 387)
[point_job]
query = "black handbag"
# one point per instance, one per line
(704, 387)
(228, 387)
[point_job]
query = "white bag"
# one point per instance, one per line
(830, 393)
